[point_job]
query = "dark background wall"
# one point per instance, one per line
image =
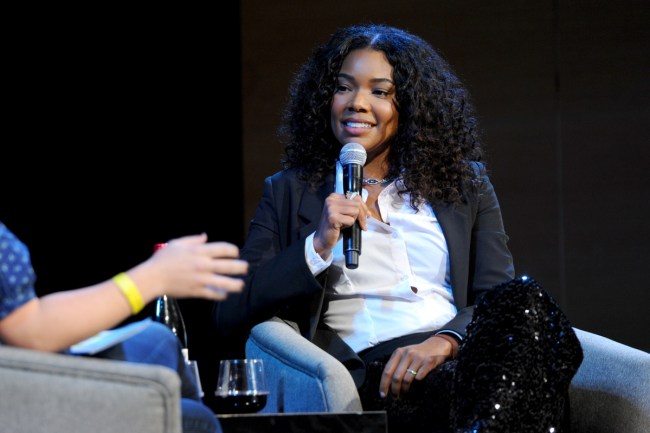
(121, 125)
(122, 130)
(561, 88)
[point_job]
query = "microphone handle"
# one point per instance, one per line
(352, 182)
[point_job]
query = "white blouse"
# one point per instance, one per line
(402, 283)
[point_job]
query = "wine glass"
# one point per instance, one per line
(241, 387)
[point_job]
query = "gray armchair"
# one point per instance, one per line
(53, 393)
(609, 393)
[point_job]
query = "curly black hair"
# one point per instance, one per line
(437, 136)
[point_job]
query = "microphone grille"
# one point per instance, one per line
(353, 153)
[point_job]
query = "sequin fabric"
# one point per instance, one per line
(511, 375)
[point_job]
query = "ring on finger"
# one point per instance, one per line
(413, 372)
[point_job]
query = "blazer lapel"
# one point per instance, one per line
(311, 206)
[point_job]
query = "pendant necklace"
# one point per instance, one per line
(373, 181)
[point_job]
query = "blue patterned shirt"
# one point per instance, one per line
(17, 276)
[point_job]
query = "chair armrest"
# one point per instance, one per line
(611, 390)
(301, 376)
(62, 394)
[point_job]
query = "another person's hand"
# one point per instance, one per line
(338, 213)
(420, 359)
(191, 267)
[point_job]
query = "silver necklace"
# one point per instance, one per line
(373, 181)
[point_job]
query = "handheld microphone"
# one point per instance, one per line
(352, 158)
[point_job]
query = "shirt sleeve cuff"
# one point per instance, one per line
(454, 334)
(314, 260)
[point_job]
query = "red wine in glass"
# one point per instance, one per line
(241, 387)
(240, 403)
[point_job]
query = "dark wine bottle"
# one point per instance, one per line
(168, 312)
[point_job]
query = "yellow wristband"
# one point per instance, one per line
(130, 291)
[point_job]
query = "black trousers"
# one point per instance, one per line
(511, 375)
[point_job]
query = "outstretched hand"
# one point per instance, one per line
(192, 267)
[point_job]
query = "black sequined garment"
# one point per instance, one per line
(511, 375)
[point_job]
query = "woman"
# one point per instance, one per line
(188, 267)
(432, 324)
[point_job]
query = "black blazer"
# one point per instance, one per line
(280, 283)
